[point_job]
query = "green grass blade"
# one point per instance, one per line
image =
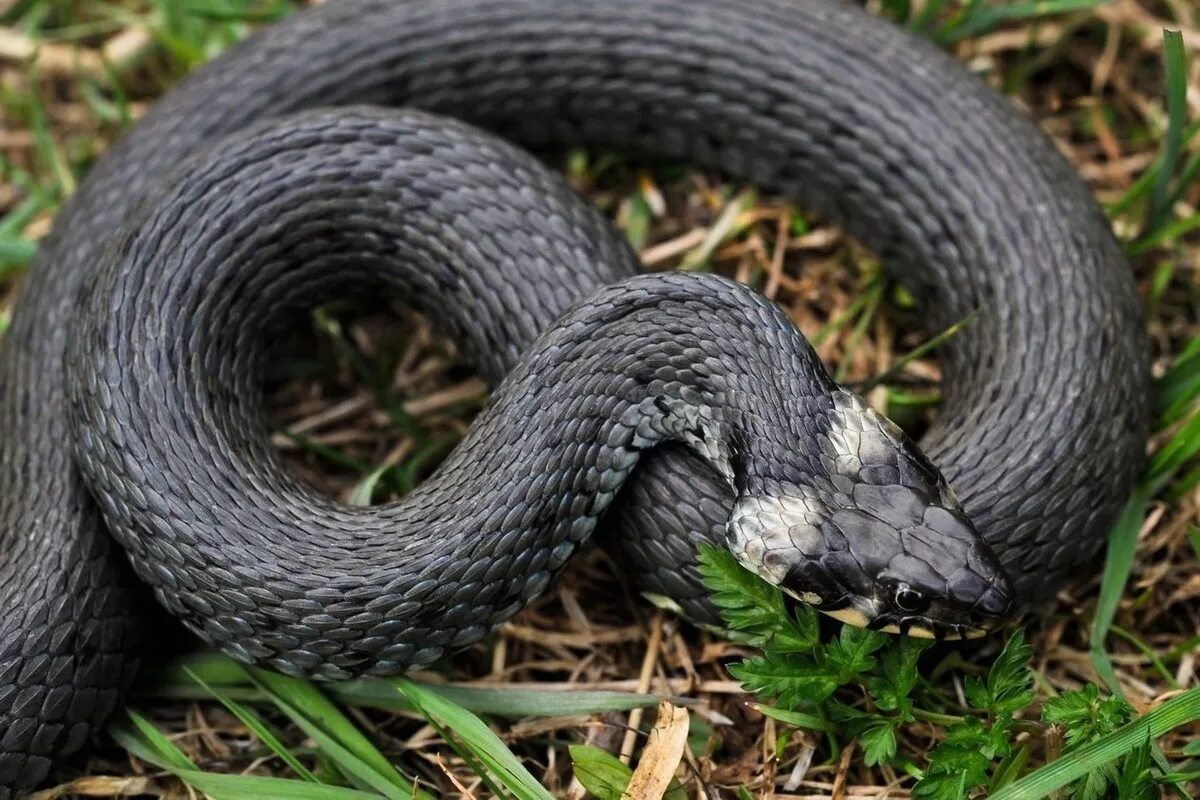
(859, 331)
(1118, 564)
(798, 718)
(1177, 711)
(36, 201)
(1189, 173)
(1188, 481)
(15, 253)
(1175, 60)
(214, 668)
(1176, 391)
(334, 733)
(470, 759)
(725, 228)
(483, 743)
(365, 490)
(429, 453)
(979, 18)
(1147, 180)
(1176, 453)
(48, 149)
(917, 352)
(355, 769)
(300, 696)
(1164, 233)
(148, 743)
(1148, 653)
(258, 728)
(183, 679)
(527, 702)
(841, 320)
(253, 787)
(926, 16)
(236, 12)
(139, 737)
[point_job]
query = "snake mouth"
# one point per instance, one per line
(847, 612)
(908, 625)
(924, 628)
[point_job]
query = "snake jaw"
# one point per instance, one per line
(868, 614)
(927, 628)
(949, 633)
(850, 615)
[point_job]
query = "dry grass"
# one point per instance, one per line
(1093, 80)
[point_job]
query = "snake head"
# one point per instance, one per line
(873, 536)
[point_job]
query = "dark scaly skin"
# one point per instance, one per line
(171, 440)
(1045, 393)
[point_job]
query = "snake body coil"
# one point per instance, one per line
(187, 270)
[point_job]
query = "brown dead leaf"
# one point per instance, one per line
(662, 755)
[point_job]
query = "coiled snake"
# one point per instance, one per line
(129, 371)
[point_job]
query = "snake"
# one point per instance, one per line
(391, 149)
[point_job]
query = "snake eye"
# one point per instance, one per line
(909, 600)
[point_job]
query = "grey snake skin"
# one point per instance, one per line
(237, 203)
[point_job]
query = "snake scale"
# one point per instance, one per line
(333, 154)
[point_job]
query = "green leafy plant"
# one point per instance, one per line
(1084, 716)
(968, 756)
(866, 686)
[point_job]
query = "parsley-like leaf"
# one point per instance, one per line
(1094, 785)
(1085, 716)
(954, 770)
(794, 680)
(751, 606)
(850, 720)
(1134, 781)
(1009, 685)
(962, 761)
(879, 743)
(898, 676)
(991, 742)
(850, 654)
